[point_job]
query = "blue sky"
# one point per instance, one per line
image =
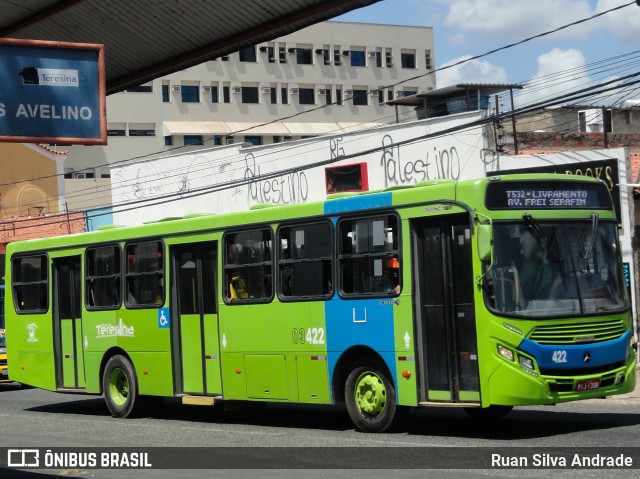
(464, 28)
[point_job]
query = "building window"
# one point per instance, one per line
(390, 94)
(304, 56)
(144, 275)
(380, 95)
(116, 132)
(250, 94)
(282, 54)
(305, 265)
(408, 60)
(276, 139)
(226, 96)
(30, 284)
(369, 260)
(168, 140)
(247, 267)
(306, 96)
(148, 88)
(248, 54)
(142, 129)
(377, 58)
(628, 117)
(388, 59)
(165, 94)
(103, 277)
(217, 140)
(193, 140)
(339, 96)
(327, 97)
(326, 58)
(214, 94)
(346, 178)
(427, 59)
(285, 95)
(360, 97)
(274, 95)
(190, 94)
(271, 54)
(337, 58)
(357, 58)
(253, 139)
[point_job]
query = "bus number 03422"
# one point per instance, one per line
(310, 336)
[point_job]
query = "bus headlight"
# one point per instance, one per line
(525, 362)
(505, 352)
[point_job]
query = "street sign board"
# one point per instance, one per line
(52, 92)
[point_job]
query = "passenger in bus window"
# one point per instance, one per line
(393, 275)
(237, 287)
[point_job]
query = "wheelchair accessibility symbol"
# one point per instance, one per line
(163, 318)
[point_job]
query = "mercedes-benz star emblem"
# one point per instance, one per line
(587, 357)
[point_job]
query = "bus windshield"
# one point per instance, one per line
(550, 269)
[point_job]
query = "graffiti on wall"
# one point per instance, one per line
(437, 164)
(284, 189)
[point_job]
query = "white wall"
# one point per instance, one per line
(264, 174)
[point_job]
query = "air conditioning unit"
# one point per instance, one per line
(319, 51)
(266, 89)
(294, 91)
(322, 91)
(176, 88)
(80, 175)
(263, 49)
(373, 92)
(346, 53)
(206, 89)
(372, 54)
(292, 50)
(230, 141)
(236, 89)
(348, 92)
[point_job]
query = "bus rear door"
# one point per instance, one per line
(196, 350)
(67, 320)
(446, 347)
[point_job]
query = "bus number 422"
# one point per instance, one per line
(311, 336)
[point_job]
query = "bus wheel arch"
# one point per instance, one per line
(367, 387)
(119, 384)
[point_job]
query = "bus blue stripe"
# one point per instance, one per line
(356, 203)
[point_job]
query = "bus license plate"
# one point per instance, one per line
(588, 385)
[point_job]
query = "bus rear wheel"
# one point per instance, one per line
(120, 386)
(370, 398)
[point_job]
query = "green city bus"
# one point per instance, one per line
(483, 294)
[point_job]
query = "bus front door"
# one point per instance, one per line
(67, 320)
(196, 350)
(446, 346)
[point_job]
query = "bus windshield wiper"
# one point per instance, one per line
(594, 227)
(541, 238)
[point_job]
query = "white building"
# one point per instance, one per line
(269, 93)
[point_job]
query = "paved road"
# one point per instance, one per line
(35, 418)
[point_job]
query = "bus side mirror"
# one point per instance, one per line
(484, 242)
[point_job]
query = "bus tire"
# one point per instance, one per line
(120, 386)
(370, 398)
(491, 412)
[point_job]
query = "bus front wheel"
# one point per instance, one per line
(370, 398)
(120, 386)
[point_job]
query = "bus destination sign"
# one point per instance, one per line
(546, 195)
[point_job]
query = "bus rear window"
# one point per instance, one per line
(30, 284)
